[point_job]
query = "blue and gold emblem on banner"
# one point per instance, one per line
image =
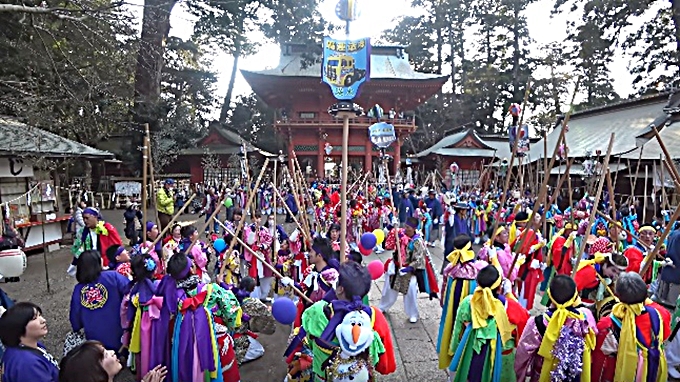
(382, 134)
(346, 66)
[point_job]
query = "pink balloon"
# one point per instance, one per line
(376, 269)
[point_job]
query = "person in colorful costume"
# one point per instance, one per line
(503, 253)
(530, 273)
(436, 211)
(198, 253)
(593, 276)
(455, 223)
(257, 318)
(207, 314)
(119, 260)
(260, 240)
(140, 308)
(562, 250)
(319, 277)
(484, 328)
(630, 339)
(96, 235)
(348, 340)
(557, 345)
(636, 252)
(669, 283)
(409, 274)
(459, 282)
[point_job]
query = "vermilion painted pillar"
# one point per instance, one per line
(368, 156)
(397, 156)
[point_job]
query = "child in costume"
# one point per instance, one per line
(630, 340)
(198, 252)
(353, 341)
(140, 308)
(207, 315)
(557, 345)
(485, 325)
(260, 240)
(459, 282)
(503, 253)
(119, 260)
(257, 318)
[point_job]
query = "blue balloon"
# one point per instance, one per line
(220, 245)
(368, 240)
(284, 311)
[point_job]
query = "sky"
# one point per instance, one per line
(377, 16)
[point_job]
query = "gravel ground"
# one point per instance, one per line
(55, 306)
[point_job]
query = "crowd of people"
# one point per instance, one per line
(527, 292)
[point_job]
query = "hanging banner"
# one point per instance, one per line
(523, 144)
(346, 66)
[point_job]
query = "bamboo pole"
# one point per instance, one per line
(301, 207)
(242, 221)
(591, 219)
(266, 264)
(635, 179)
(652, 255)
(614, 222)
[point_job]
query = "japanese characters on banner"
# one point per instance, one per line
(346, 66)
(16, 168)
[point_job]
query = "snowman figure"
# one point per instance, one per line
(355, 335)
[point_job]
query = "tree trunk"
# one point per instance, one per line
(150, 60)
(516, 93)
(675, 4)
(226, 105)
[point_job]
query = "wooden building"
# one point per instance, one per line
(295, 89)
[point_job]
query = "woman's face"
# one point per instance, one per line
(90, 220)
(176, 232)
(153, 234)
(37, 327)
(194, 235)
(503, 237)
(335, 235)
(110, 363)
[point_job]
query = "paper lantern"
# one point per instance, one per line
(369, 240)
(376, 269)
(379, 235)
(284, 310)
(220, 245)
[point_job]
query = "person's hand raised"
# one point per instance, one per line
(157, 374)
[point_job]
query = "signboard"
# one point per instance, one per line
(382, 134)
(346, 66)
(16, 168)
(128, 188)
(523, 144)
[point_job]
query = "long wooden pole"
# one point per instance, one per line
(600, 187)
(544, 188)
(343, 187)
(635, 178)
(614, 222)
(652, 255)
(304, 232)
(145, 168)
(276, 222)
(243, 219)
(266, 264)
(644, 202)
(151, 172)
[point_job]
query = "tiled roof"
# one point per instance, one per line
(230, 136)
(493, 148)
(591, 130)
(17, 138)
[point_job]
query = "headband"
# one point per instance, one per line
(412, 225)
(647, 228)
(120, 250)
(484, 305)
(91, 211)
(522, 221)
(185, 272)
(500, 230)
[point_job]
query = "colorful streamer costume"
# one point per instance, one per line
(207, 315)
